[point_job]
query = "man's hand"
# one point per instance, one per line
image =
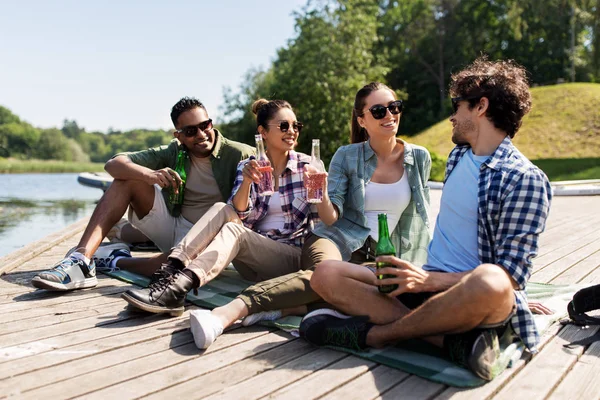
(408, 277)
(164, 178)
(538, 308)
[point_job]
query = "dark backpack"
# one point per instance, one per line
(585, 300)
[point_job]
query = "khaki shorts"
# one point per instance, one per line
(160, 226)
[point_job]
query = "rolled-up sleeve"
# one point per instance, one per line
(523, 218)
(337, 181)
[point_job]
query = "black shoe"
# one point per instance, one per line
(165, 294)
(477, 350)
(326, 327)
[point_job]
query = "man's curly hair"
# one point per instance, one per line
(503, 83)
(183, 105)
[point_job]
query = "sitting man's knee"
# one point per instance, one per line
(490, 280)
(324, 277)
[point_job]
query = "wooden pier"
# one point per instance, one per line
(88, 344)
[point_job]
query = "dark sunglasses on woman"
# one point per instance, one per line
(378, 111)
(284, 126)
(192, 130)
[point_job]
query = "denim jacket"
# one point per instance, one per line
(351, 168)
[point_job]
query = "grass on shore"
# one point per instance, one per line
(569, 169)
(563, 123)
(16, 166)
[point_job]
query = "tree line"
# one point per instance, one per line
(20, 139)
(340, 45)
(413, 46)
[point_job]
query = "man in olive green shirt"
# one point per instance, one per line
(143, 182)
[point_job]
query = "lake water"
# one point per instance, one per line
(35, 205)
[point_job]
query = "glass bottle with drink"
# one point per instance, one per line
(384, 248)
(265, 186)
(177, 198)
(315, 182)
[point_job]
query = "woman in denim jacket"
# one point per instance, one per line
(376, 173)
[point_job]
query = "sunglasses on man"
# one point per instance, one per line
(457, 100)
(192, 130)
(379, 111)
(284, 126)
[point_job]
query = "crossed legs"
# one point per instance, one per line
(483, 297)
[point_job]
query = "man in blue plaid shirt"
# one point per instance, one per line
(471, 291)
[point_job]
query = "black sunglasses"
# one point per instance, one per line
(378, 111)
(284, 126)
(192, 130)
(456, 100)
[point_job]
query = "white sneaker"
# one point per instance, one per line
(205, 328)
(69, 274)
(261, 316)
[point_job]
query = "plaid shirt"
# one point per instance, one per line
(513, 204)
(299, 215)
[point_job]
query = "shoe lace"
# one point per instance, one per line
(63, 264)
(161, 279)
(344, 336)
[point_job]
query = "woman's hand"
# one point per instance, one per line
(251, 171)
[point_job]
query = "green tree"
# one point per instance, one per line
(319, 72)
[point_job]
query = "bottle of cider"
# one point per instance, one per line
(315, 183)
(384, 248)
(265, 187)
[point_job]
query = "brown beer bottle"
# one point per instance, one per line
(384, 248)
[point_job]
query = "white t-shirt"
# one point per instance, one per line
(274, 218)
(389, 198)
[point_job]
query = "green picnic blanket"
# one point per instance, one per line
(416, 357)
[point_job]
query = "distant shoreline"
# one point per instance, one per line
(16, 166)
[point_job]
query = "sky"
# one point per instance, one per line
(122, 64)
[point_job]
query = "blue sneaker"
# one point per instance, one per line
(69, 274)
(106, 253)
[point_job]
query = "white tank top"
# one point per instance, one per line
(274, 218)
(389, 198)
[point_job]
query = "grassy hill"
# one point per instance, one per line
(564, 123)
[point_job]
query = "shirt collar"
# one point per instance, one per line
(292, 163)
(216, 151)
(499, 155)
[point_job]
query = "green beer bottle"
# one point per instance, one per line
(177, 198)
(384, 248)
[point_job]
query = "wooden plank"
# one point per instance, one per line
(17, 258)
(561, 265)
(61, 308)
(145, 375)
(580, 270)
(280, 376)
(123, 323)
(319, 383)
(104, 304)
(548, 368)
(582, 381)
(42, 377)
(121, 341)
(414, 388)
(369, 385)
(43, 298)
(569, 246)
(212, 382)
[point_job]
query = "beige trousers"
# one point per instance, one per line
(219, 238)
